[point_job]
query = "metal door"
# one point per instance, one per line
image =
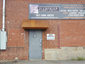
(35, 44)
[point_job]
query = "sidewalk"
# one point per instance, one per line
(45, 62)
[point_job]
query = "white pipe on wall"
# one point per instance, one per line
(3, 23)
(3, 34)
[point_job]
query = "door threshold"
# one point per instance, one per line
(35, 60)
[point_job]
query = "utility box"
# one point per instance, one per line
(3, 40)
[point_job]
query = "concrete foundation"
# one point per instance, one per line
(65, 53)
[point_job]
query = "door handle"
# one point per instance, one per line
(40, 45)
(40, 40)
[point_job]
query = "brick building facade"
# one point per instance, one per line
(68, 33)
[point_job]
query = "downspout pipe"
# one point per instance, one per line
(3, 23)
(3, 33)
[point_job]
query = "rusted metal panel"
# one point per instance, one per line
(35, 24)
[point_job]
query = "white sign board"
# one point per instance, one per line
(50, 36)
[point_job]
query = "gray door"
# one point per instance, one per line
(35, 44)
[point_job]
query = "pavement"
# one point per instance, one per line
(44, 62)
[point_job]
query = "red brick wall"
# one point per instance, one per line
(71, 31)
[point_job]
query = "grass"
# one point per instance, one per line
(79, 59)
